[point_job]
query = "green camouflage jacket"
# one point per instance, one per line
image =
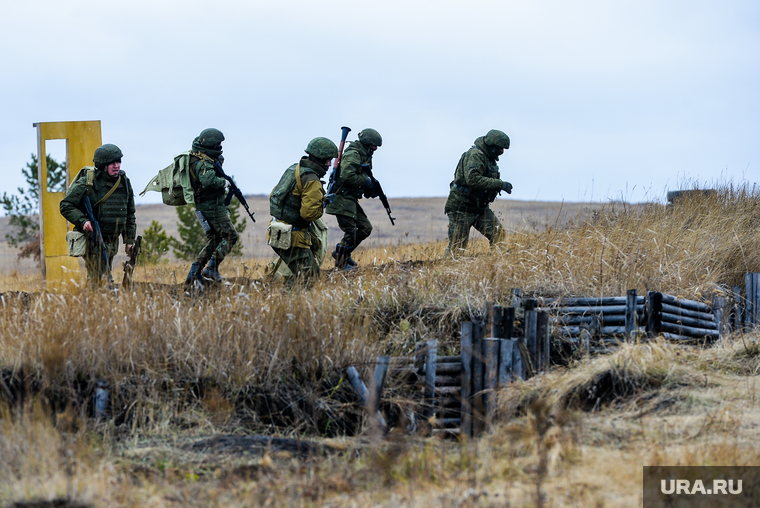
(477, 181)
(351, 180)
(210, 188)
(115, 215)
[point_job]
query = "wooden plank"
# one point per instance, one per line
(589, 302)
(378, 380)
(654, 306)
(527, 364)
(506, 375)
(718, 305)
(448, 380)
(430, 356)
(491, 352)
(508, 322)
(361, 389)
(448, 368)
(672, 309)
(497, 328)
(690, 331)
(518, 366)
(449, 359)
(531, 323)
(478, 373)
(466, 333)
(667, 317)
(630, 314)
(543, 341)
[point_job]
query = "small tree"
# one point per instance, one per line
(155, 243)
(192, 237)
(23, 208)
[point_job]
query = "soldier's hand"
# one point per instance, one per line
(87, 227)
(128, 249)
(508, 187)
(329, 198)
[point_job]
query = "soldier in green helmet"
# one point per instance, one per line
(113, 205)
(476, 184)
(351, 184)
(295, 203)
(210, 191)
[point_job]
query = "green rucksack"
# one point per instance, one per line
(173, 182)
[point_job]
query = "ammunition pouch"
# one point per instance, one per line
(77, 243)
(279, 234)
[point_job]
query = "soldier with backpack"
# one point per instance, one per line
(209, 195)
(106, 192)
(296, 205)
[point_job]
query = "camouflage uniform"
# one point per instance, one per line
(476, 184)
(301, 203)
(115, 216)
(210, 191)
(351, 184)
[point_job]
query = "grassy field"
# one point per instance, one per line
(201, 387)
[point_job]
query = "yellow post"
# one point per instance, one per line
(61, 271)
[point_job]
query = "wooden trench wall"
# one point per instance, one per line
(505, 344)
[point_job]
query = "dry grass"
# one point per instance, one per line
(257, 358)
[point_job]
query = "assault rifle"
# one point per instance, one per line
(129, 264)
(234, 191)
(336, 166)
(379, 190)
(98, 235)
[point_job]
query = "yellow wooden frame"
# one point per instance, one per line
(61, 271)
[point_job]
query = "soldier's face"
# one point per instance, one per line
(372, 148)
(498, 150)
(114, 168)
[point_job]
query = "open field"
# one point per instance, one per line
(238, 398)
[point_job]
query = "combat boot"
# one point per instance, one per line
(194, 276)
(342, 256)
(212, 271)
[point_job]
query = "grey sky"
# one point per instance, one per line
(602, 99)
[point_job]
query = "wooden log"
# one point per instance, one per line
(491, 352)
(543, 341)
(478, 373)
(570, 320)
(654, 304)
(361, 389)
(419, 357)
(631, 319)
(378, 380)
(506, 374)
(719, 304)
(448, 368)
(527, 364)
(686, 304)
(689, 331)
(487, 318)
(448, 381)
(736, 314)
(576, 331)
(497, 326)
(609, 310)
(515, 298)
(685, 321)
(449, 359)
(590, 302)
(531, 323)
(448, 390)
(518, 366)
(752, 300)
(466, 333)
(432, 352)
(508, 322)
(680, 311)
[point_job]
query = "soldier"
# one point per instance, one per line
(297, 201)
(210, 191)
(352, 183)
(113, 205)
(476, 184)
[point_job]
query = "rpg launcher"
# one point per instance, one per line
(98, 235)
(234, 191)
(334, 175)
(129, 264)
(379, 190)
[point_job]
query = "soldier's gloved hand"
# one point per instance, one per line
(369, 189)
(328, 198)
(508, 187)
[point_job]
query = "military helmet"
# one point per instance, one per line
(210, 138)
(322, 148)
(370, 137)
(106, 154)
(497, 138)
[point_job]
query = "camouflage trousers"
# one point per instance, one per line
(93, 260)
(355, 231)
(221, 237)
(302, 264)
(460, 223)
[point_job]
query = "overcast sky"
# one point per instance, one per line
(602, 99)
